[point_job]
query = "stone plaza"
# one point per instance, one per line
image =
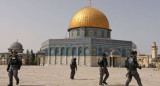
(85, 76)
(89, 36)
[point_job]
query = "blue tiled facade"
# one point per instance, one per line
(86, 47)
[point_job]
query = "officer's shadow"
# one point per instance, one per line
(83, 79)
(31, 85)
(117, 85)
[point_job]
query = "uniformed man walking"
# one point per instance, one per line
(13, 67)
(132, 65)
(73, 67)
(102, 62)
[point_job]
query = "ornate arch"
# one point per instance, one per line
(51, 51)
(86, 51)
(74, 51)
(80, 51)
(62, 51)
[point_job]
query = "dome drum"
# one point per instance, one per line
(89, 32)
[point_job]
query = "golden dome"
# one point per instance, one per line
(89, 17)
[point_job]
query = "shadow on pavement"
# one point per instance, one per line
(117, 85)
(83, 79)
(31, 85)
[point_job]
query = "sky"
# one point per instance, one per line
(32, 22)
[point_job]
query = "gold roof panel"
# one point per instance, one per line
(89, 17)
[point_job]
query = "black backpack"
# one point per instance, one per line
(99, 63)
(130, 64)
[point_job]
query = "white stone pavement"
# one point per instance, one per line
(85, 76)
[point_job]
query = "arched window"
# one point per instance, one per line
(86, 51)
(118, 49)
(99, 51)
(46, 52)
(102, 33)
(106, 50)
(86, 32)
(68, 52)
(71, 33)
(123, 53)
(74, 51)
(78, 32)
(94, 51)
(91, 32)
(57, 51)
(51, 51)
(62, 51)
(128, 53)
(80, 52)
(108, 34)
(95, 33)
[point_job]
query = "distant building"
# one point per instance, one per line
(152, 60)
(89, 37)
(27, 58)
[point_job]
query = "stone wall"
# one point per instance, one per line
(90, 61)
(84, 32)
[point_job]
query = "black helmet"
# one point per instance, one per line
(74, 58)
(13, 51)
(134, 52)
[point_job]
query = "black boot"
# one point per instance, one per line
(72, 77)
(10, 85)
(100, 84)
(17, 82)
(105, 83)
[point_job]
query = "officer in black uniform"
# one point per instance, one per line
(132, 65)
(102, 62)
(73, 67)
(13, 67)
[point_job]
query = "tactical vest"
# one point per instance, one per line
(130, 63)
(14, 61)
(73, 64)
(102, 62)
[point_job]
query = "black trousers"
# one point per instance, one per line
(73, 71)
(13, 71)
(102, 73)
(133, 73)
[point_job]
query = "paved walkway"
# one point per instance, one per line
(85, 76)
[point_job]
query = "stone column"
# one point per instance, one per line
(112, 61)
(77, 54)
(49, 54)
(108, 61)
(43, 60)
(60, 56)
(49, 59)
(120, 61)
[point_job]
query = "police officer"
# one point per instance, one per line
(13, 67)
(132, 65)
(102, 62)
(73, 67)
